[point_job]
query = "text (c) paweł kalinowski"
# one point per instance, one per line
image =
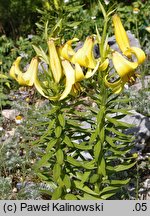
(61, 207)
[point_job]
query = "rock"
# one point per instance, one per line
(10, 113)
(10, 133)
(141, 130)
(141, 83)
(144, 192)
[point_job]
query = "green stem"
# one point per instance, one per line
(103, 40)
(137, 182)
(136, 28)
(101, 128)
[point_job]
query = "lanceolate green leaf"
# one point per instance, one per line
(85, 176)
(97, 150)
(82, 146)
(119, 123)
(57, 193)
(94, 178)
(120, 182)
(73, 161)
(111, 141)
(108, 189)
(51, 144)
(93, 137)
(41, 176)
(103, 10)
(70, 197)
(100, 115)
(123, 111)
(89, 165)
(108, 195)
(121, 100)
(43, 160)
(61, 119)
(56, 171)
(68, 142)
(81, 186)
(102, 167)
(58, 131)
(67, 181)
(121, 167)
(121, 152)
(60, 156)
(117, 132)
(53, 110)
(87, 196)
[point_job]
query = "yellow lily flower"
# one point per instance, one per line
(84, 56)
(66, 51)
(54, 61)
(30, 77)
(122, 65)
(125, 68)
(16, 73)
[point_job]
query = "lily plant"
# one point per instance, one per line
(123, 62)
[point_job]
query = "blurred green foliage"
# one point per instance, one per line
(18, 17)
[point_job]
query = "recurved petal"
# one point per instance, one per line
(111, 84)
(116, 86)
(91, 72)
(103, 66)
(84, 56)
(28, 76)
(37, 83)
(70, 78)
(15, 70)
(120, 34)
(139, 54)
(118, 89)
(16, 73)
(79, 75)
(122, 65)
(66, 51)
(54, 61)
